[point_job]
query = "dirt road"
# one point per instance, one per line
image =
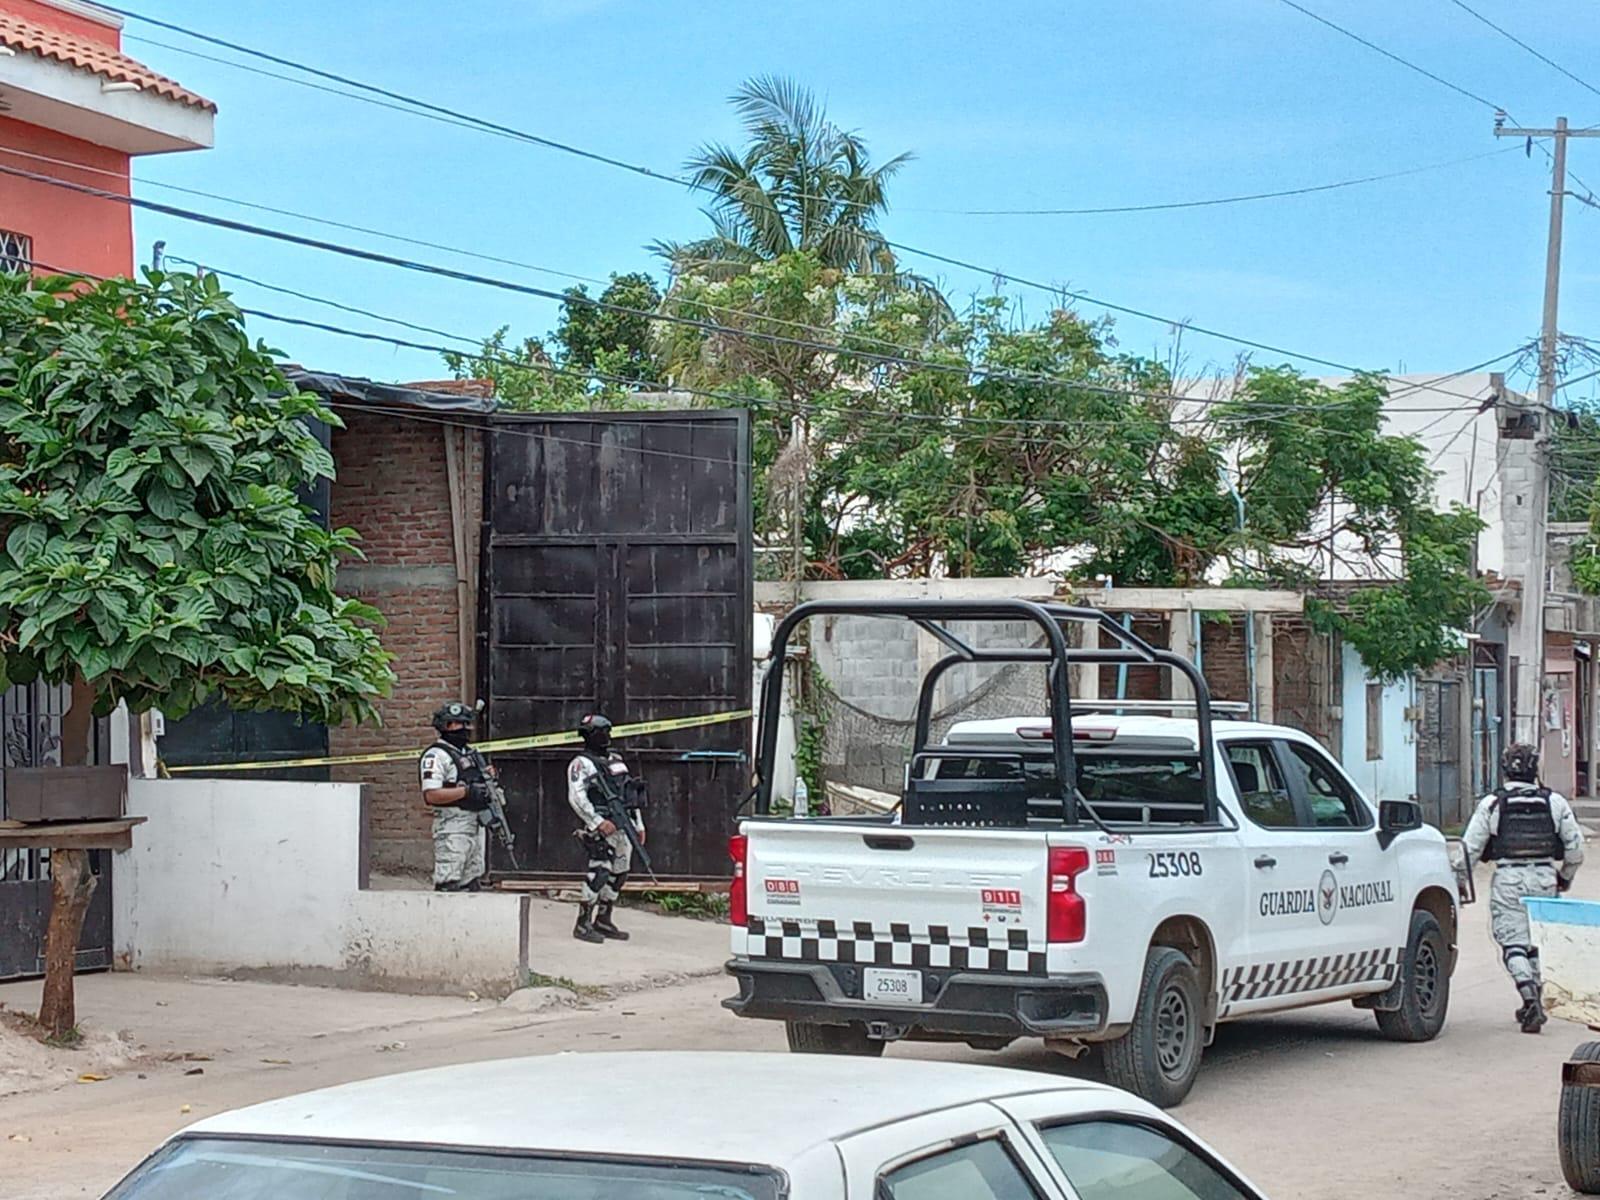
(1314, 1106)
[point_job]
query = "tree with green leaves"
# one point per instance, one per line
(157, 550)
(801, 183)
(599, 353)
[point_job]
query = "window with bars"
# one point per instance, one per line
(16, 252)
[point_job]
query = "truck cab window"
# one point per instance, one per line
(1333, 802)
(1262, 792)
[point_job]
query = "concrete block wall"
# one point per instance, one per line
(393, 489)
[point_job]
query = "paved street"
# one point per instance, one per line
(1314, 1106)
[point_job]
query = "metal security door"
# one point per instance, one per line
(619, 577)
(30, 736)
(1439, 748)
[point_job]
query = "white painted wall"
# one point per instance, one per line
(257, 875)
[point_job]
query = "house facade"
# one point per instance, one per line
(75, 109)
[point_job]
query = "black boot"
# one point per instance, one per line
(605, 926)
(584, 930)
(1531, 1015)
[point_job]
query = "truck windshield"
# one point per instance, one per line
(238, 1169)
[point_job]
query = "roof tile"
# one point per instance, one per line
(109, 64)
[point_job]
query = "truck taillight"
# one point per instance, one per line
(738, 896)
(1066, 916)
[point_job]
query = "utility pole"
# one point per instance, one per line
(1527, 634)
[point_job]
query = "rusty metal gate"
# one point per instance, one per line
(1440, 748)
(30, 736)
(618, 576)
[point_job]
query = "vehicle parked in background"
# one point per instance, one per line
(689, 1126)
(1185, 874)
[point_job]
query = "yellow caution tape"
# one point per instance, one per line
(531, 742)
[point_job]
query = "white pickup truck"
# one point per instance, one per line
(1194, 873)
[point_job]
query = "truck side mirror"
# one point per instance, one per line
(1396, 817)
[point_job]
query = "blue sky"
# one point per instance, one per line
(1028, 104)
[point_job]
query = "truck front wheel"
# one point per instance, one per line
(1424, 984)
(806, 1038)
(1159, 1057)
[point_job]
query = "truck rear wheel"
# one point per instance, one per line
(1424, 984)
(1159, 1057)
(1579, 1126)
(806, 1038)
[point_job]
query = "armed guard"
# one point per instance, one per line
(450, 788)
(1536, 845)
(603, 796)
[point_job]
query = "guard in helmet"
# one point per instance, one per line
(458, 862)
(1536, 845)
(596, 771)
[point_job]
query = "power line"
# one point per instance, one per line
(1214, 202)
(965, 371)
(427, 107)
(1389, 54)
(759, 402)
(1509, 36)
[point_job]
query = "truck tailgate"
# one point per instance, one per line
(965, 899)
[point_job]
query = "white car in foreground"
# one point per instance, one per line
(692, 1126)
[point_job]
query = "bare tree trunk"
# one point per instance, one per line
(71, 886)
(77, 725)
(72, 883)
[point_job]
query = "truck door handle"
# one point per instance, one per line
(880, 841)
(1265, 861)
(1338, 858)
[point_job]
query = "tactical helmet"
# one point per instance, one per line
(595, 730)
(449, 714)
(1520, 762)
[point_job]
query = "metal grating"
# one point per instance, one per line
(16, 252)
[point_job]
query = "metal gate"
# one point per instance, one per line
(619, 577)
(30, 736)
(1439, 751)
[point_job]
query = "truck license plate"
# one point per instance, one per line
(892, 987)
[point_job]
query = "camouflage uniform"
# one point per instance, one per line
(458, 860)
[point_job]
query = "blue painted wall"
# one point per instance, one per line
(1393, 776)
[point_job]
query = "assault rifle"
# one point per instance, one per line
(494, 816)
(615, 806)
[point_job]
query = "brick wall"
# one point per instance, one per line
(393, 489)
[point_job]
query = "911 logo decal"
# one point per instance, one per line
(1002, 905)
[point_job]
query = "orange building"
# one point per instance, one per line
(74, 107)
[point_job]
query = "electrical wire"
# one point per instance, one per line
(1216, 201)
(424, 106)
(964, 371)
(1511, 37)
(758, 402)
(1389, 54)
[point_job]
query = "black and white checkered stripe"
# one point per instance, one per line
(935, 947)
(1265, 980)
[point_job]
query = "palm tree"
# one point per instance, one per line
(801, 183)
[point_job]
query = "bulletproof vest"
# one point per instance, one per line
(613, 781)
(1527, 828)
(466, 765)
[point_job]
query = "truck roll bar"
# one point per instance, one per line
(928, 614)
